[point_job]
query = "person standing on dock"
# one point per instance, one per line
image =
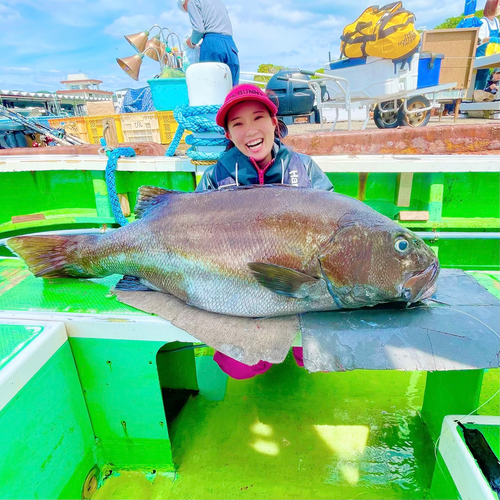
(489, 32)
(210, 22)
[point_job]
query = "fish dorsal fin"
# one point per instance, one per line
(148, 197)
(282, 280)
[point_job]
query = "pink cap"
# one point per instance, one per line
(240, 93)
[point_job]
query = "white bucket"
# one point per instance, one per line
(462, 467)
(208, 83)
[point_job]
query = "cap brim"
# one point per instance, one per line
(220, 118)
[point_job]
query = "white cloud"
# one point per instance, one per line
(15, 70)
(8, 15)
(287, 15)
(126, 25)
(88, 34)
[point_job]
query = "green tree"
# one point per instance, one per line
(320, 70)
(267, 68)
(452, 22)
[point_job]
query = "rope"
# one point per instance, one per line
(202, 162)
(203, 156)
(197, 141)
(191, 118)
(113, 155)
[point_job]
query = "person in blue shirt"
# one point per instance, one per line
(489, 32)
(210, 22)
(257, 156)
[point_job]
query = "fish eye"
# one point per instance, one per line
(401, 244)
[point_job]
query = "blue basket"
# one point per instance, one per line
(429, 67)
(168, 93)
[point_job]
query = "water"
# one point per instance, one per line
(292, 434)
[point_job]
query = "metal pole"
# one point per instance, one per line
(435, 235)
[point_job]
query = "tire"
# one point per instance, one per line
(316, 115)
(387, 120)
(417, 119)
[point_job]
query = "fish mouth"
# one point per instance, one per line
(422, 285)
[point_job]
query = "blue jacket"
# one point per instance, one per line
(491, 82)
(290, 168)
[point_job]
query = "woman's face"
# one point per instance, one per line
(251, 128)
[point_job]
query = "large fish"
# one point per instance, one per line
(253, 251)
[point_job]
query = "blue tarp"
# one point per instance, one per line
(137, 100)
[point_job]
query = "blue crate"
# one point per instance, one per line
(168, 93)
(429, 67)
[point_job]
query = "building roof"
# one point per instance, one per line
(19, 94)
(80, 78)
(89, 80)
(83, 91)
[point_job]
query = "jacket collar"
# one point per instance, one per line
(234, 155)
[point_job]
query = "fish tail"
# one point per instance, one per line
(57, 256)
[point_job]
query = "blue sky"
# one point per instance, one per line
(43, 41)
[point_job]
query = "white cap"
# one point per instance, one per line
(180, 4)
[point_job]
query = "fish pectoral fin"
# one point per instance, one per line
(148, 197)
(282, 280)
(133, 284)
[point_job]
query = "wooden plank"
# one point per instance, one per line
(403, 189)
(332, 164)
(411, 215)
(459, 48)
(125, 204)
(26, 218)
(110, 133)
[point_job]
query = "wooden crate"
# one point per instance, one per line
(95, 127)
(74, 125)
(458, 46)
(168, 127)
(140, 127)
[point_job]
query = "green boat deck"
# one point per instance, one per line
(137, 399)
(167, 423)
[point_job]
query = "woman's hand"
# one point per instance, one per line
(190, 44)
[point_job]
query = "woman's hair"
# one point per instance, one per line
(490, 9)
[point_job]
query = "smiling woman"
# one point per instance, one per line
(256, 154)
(251, 129)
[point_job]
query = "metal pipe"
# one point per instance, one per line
(425, 235)
(459, 235)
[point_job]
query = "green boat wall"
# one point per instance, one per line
(466, 201)
(46, 437)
